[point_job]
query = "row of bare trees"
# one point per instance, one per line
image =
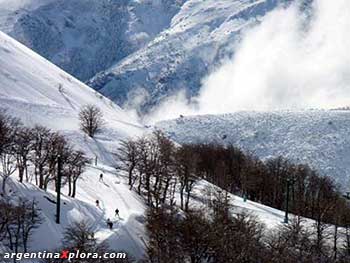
(311, 195)
(220, 233)
(34, 152)
(18, 220)
(163, 172)
(156, 168)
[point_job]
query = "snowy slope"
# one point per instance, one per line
(201, 34)
(128, 232)
(40, 93)
(85, 36)
(29, 89)
(316, 137)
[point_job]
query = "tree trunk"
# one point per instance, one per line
(74, 187)
(188, 196)
(10, 237)
(148, 189)
(166, 187)
(20, 173)
(4, 185)
(41, 178)
(140, 184)
(182, 195)
(69, 185)
(25, 168)
(131, 169)
(335, 242)
(347, 242)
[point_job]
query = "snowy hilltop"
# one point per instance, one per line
(316, 137)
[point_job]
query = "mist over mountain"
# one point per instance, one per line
(200, 36)
(135, 52)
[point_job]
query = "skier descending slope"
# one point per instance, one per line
(109, 224)
(117, 212)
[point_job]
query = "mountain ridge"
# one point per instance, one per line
(319, 138)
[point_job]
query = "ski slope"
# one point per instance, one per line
(320, 138)
(128, 230)
(38, 92)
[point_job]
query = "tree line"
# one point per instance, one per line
(34, 152)
(311, 194)
(220, 233)
(158, 170)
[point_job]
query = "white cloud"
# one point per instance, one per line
(288, 61)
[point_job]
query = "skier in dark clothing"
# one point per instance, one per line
(97, 203)
(117, 212)
(109, 223)
(101, 178)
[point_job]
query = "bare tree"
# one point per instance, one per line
(40, 153)
(23, 146)
(8, 129)
(195, 233)
(75, 167)
(164, 244)
(18, 223)
(127, 156)
(291, 241)
(57, 147)
(91, 120)
(9, 166)
(186, 171)
(80, 236)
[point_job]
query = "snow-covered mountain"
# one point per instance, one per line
(85, 36)
(200, 35)
(38, 92)
(145, 50)
(315, 137)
